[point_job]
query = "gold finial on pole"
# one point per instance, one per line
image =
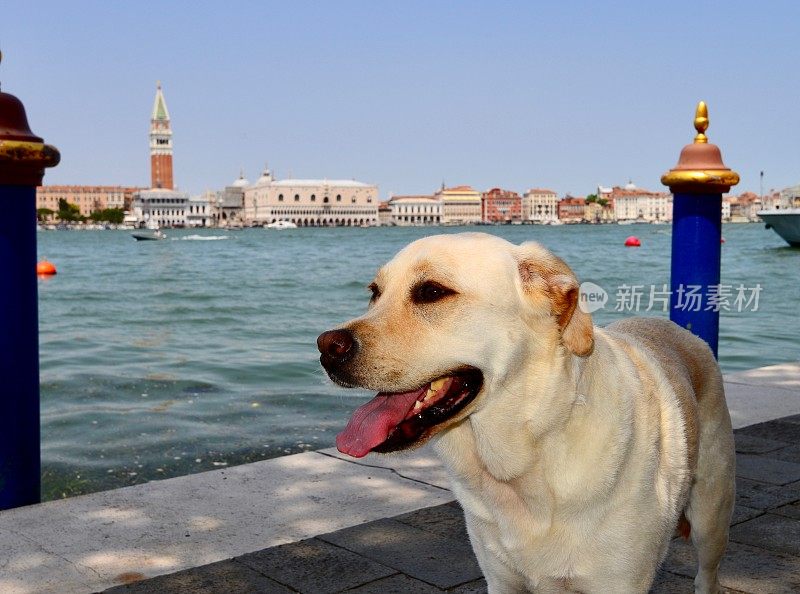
(701, 123)
(700, 169)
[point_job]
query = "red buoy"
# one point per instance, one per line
(633, 241)
(46, 268)
(722, 240)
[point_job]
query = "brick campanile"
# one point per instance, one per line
(160, 144)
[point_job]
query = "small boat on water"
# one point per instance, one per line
(281, 225)
(785, 222)
(149, 235)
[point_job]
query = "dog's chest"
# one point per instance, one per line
(523, 531)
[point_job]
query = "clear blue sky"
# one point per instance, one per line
(409, 94)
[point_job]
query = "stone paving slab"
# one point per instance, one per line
(222, 577)
(749, 444)
(783, 375)
(759, 403)
(774, 430)
(766, 469)
(770, 531)
(744, 569)
(420, 554)
(315, 566)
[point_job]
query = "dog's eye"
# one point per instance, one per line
(376, 292)
(429, 292)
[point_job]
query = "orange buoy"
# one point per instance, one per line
(46, 268)
(633, 241)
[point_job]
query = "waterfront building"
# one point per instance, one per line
(199, 210)
(461, 205)
(744, 207)
(572, 209)
(160, 144)
(726, 208)
(88, 199)
(415, 210)
(227, 207)
(599, 211)
(790, 197)
(384, 214)
(637, 204)
(161, 208)
(775, 200)
(311, 202)
(501, 206)
(540, 205)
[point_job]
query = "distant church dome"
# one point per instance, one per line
(630, 185)
(266, 177)
(241, 182)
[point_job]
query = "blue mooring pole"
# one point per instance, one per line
(697, 183)
(23, 158)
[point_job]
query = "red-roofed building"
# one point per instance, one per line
(501, 206)
(571, 209)
(88, 198)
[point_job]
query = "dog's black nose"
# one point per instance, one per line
(337, 345)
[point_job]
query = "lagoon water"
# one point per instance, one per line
(171, 357)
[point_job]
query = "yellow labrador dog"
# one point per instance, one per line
(575, 451)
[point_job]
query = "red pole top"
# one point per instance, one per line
(700, 169)
(23, 155)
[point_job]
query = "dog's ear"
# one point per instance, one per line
(542, 272)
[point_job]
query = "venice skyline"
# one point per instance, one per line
(407, 97)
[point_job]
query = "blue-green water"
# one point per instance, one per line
(172, 357)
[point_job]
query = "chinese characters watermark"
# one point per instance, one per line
(644, 298)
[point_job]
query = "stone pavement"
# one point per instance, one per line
(427, 550)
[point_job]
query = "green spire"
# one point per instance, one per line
(160, 111)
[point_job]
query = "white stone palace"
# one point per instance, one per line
(311, 202)
(415, 210)
(160, 207)
(540, 205)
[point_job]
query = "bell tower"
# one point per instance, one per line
(160, 144)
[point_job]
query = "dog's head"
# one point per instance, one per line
(450, 318)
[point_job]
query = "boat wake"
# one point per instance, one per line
(201, 238)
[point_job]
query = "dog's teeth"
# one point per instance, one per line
(437, 384)
(430, 393)
(417, 405)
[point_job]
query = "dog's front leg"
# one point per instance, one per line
(500, 577)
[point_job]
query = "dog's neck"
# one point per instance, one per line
(516, 412)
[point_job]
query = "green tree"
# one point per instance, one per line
(591, 198)
(68, 211)
(42, 214)
(111, 215)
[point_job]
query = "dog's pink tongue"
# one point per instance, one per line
(372, 422)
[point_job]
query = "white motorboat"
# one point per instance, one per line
(149, 235)
(785, 222)
(281, 225)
